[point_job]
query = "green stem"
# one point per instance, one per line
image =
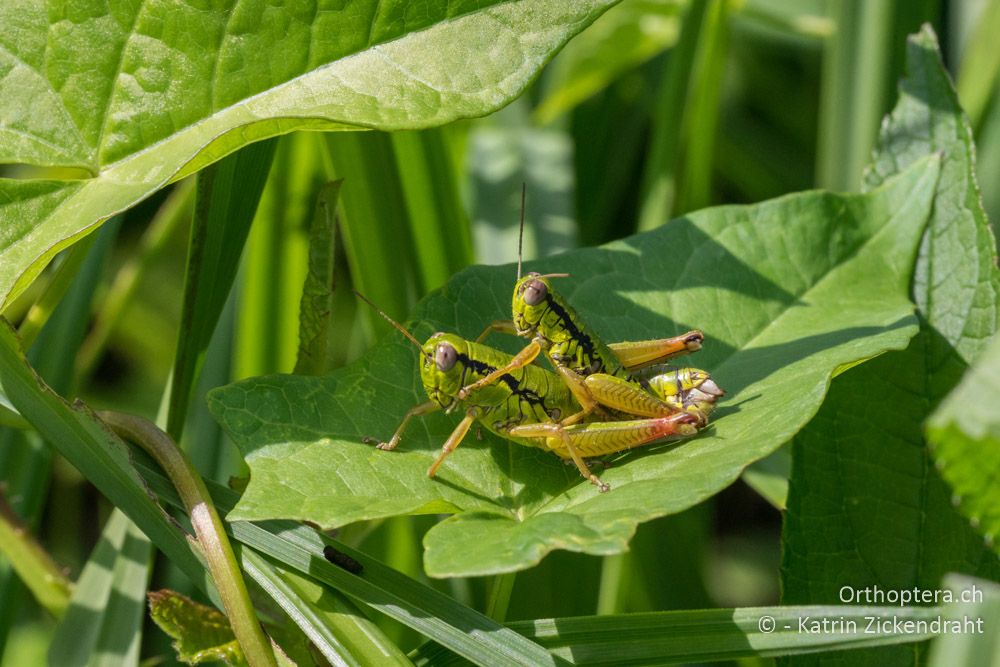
(499, 600)
(210, 532)
(33, 565)
(613, 574)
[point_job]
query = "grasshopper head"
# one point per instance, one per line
(531, 301)
(442, 367)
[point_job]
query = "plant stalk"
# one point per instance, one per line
(210, 533)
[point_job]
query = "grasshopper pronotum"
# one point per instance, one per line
(525, 405)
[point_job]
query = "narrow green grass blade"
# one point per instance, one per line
(316, 304)
(275, 261)
(103, 625)
(977, 74)
(854, 85)
(25, 459)
(623, 38)
(410, 602)
(710, 635)
(377, 242)
(701, 117)
(438, 222)
(227, 198)
(95, 452)
(175, 210)
(659, 177)
(333, 623)
(33, 565)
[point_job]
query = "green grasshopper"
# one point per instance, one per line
(627, 378)
(524, 405)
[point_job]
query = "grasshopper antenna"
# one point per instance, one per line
(388, 319)
(520, 233)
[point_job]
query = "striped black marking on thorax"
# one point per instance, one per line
(576, 334)
(484, 369)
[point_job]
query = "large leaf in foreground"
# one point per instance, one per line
(141, 93)
(866, 505)
(787, 292)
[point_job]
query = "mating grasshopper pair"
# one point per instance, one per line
(601, 399)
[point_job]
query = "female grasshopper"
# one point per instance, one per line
(525, 405)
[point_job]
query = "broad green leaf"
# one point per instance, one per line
(866, 505)
(780, 316)
(712, 634)
(103, 625)
(965, 434)
(141, 94)
(200, 633)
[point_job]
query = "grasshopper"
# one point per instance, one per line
(524, 405)
(627, 378)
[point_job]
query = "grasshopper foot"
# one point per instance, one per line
(384, 446)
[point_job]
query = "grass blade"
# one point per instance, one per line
(708, 635)
(226, 200)
(410, 602)
(104, 621)
(659, 177)
(316, 305)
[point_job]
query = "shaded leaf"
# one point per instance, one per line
(965, 434)
(780, 318)
(200, 633)
(143, 94)
(866, 506)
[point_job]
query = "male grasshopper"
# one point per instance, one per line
(524, 405)
(600, 376)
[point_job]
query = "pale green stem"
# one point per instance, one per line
(210, 533)
(499, 600)
(33, 565)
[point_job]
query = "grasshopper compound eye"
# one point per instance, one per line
(535, 292)
(445, 357)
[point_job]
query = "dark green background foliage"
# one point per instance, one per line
(189, 194)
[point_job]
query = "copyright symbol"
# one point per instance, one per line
(766, 624)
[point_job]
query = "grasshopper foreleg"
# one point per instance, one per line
(422, 409)
(520, 360)
(505, 326)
